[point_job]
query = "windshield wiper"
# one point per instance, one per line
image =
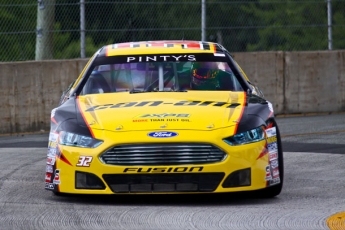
(135, 91)
(154, 91)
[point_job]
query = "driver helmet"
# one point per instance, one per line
(205, 76)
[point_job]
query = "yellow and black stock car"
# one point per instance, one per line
(163, 117)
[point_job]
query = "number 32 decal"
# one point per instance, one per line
(84, 161)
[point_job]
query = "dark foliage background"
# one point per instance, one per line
(247, 25)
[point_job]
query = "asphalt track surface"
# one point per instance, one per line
(313, 195)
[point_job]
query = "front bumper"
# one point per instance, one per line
(81, 171)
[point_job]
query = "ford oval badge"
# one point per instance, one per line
(162, 134)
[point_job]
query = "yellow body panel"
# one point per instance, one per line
(150, 111)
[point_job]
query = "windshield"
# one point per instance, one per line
(161, 77)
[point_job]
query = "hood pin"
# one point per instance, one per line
(119, 127)
(210, 126)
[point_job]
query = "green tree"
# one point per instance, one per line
(289, 25)
(228, 23)
(17, 30)
(133, 20)
(338, 28)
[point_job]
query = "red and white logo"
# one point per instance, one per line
(273, 156)
(268, 173)
(57, 176)
(274, 164)
(48, 177)
(51, 161)
(275, 173)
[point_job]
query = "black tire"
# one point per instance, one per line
(59, 194)
(276, 189)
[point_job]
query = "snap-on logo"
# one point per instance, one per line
(162, 134)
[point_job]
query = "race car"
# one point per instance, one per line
(163, 117)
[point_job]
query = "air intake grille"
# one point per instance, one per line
(184, 182)
(163, 154)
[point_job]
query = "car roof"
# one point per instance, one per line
(161, 47)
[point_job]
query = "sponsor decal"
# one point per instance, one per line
(172, 117)
(50, 186)
(163, 169)
(53, 137)
(268, 173)
(162, 115)
(162, 134)
(161, 119)
(84, 161)
(140, 120)
(177, 119)
(161, 58)
(271, 132)
(275, 173)
(51, 152)
(156, 119)
(274, 163)
(48, 177)
(51, 161)
(274, 181)
(160, 103)
(49, 169)
(272, 139)
(57, 177)
(183, 45)
(273, 156)
(52, 145)
(272, 147)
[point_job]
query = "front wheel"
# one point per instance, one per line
(269, 192)
(60, 194)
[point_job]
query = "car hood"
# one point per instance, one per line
(193, 110)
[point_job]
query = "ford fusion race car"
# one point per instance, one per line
(163, 117)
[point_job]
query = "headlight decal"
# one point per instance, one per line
(246, 137)
(77, 140)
